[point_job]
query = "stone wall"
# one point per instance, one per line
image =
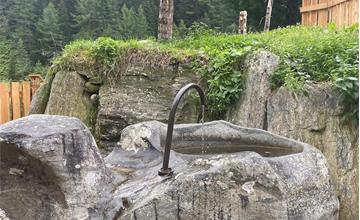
(141, 92)
(137, 92)
(314, 118)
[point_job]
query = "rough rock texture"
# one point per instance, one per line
(251, 107)
(138, 92)
(67, 96)
(50, 169)
(41, 97)
(141, 93)
(238, 185)
(314, 118)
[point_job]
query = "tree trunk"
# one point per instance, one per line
(268, 15)
(242, 22)
(166, 16)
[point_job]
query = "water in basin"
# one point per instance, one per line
(265, 151)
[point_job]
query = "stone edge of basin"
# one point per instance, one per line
(142, 136)
(303, 177)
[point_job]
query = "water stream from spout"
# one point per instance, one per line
(203, 150)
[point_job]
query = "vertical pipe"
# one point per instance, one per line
(165, 170)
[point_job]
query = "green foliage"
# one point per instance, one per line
(349, 90)
(52, 38)
(105, 50)
(45, 26)
(199, 30)
(308, 55)
(19, 63)
(41, 69)
(127, 22)
(5, 46)
(320, 55)
(224, 78)
(132, 24)
(94, 18)
(179, 31)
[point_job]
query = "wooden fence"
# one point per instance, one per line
(343, 13)
(15, 98)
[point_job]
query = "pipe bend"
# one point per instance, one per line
(165, 170)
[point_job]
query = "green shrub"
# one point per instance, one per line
(105, 50)
(349, 94)
(308, 55)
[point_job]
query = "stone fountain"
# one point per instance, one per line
(52, 169)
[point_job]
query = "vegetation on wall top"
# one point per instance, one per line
(308, 55)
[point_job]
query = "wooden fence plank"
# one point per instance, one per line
(4, 103)
(323, 15)
(306, 14)
(314, 7)
(26, 97)
(15, 100)
(355, 11)
(343, 13)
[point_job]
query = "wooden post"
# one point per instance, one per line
(36, 81)
(268, 15)
(166, 16)
(242, 22)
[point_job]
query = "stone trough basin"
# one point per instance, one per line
(221, 171)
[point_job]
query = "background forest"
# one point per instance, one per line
(34, 31)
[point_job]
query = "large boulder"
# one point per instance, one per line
(250, 109)
(313, 117)
(221, 182)
(69, 97)
(40, 99)
(316, 118)
(50, 169)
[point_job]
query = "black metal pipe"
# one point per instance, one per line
(165, 170)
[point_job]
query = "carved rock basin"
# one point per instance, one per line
(223, 171)
(52, 169)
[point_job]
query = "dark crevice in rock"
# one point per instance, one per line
(265, 123)
(134, 214)
(178, 207)
(156, 211)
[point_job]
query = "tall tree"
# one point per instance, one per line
(127, 24)
(85, 19)
(67, 10)
(141, 24)
(5, 48)
(49, 26)
(166, 17)
(151, 12)
(94, 18)
(19, 62)
(21, 16)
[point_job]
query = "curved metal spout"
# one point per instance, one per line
(165, 170)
